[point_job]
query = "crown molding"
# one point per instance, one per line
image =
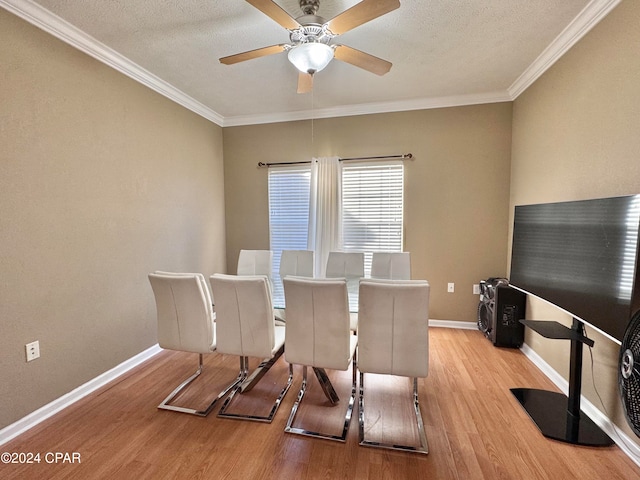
(588, 18)
(370, 108)
(61, 29)
(38, 16)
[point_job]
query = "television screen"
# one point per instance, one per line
(580, 256)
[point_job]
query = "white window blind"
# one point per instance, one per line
(372, 208)
(288, 217)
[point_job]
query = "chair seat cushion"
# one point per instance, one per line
(280, 315)
(353, 321)
(279, 331)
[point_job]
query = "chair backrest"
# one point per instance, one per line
(296, 262)
(393, 327)
(317, 332)
(201, 277)
(391, 265)
(184, 311)
(349, 265)
(255, 262)
(245, 324)
(345, 265)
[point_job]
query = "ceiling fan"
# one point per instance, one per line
(311, 49)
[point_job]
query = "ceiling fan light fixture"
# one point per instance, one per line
(310, 57)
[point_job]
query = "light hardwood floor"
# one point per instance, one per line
(475, 427)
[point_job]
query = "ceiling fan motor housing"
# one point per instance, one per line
(310, 33)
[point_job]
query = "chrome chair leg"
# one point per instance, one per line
(347, 419)
(165, 405)
(260, 371)
(326, 385)
(422, 448)
(294, 409)
(244, 367)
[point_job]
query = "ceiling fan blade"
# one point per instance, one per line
(363, 60)
(360, 13)
(251, 54)
(276, 13)
(305, 82)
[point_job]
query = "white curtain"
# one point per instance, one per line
(324, 210)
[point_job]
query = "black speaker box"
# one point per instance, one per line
(505, 329)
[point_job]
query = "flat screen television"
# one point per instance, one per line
(580, 256)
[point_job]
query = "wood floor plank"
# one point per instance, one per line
(475, 427)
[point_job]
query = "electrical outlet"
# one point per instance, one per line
(476, 289)
(33, 350)
(451, 287)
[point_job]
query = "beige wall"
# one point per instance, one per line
(456, 187)
(575, 136)
(101, 181)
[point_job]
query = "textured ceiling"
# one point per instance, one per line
(443, 51)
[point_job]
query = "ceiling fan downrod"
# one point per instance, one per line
(309, 7)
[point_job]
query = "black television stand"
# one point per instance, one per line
(556, 415)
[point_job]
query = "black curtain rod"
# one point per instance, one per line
(383, 157)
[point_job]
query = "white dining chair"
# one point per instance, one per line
(185, 323)
(255, 262)
(318, 335)
(298, 263)
(345, 265)
(246, 327)
(391, 265)
(393, 333)
(349, 265)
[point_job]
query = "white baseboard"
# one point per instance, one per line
(626, 444)
(34, 418)
(453, 324)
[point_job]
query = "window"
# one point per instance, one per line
(372, 211)
(288, 217)
(372, 200)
